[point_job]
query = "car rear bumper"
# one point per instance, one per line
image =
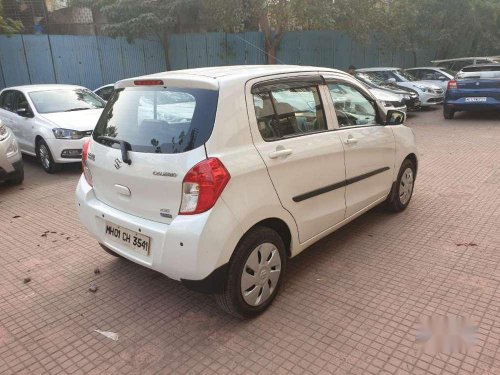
(191, 249)
(66, 150)
(461, 105)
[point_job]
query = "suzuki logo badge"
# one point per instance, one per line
(118, 163)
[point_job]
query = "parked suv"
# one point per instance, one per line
(216, 176)
(11, 162)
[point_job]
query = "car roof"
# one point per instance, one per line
(381, 69)
(464, 58)
(234, 73)
(492, 65)
(427, 67)
(45, 87)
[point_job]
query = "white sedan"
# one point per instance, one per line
(51, 122)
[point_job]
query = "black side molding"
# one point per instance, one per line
(212, 284)
(338, 185)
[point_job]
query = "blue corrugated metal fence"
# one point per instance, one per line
(92, 61)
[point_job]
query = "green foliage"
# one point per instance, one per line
(7, 25)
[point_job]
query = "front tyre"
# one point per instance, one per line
(402, 190)
(45, 157)
(255, 274)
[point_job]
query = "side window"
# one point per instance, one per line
(106, 92)
(8, 100)
(417, 73)
(285, 111)
(21, 102)
(352, 107)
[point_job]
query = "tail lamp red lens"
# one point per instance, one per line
(452, 85)
(85, 168)
(202, 186)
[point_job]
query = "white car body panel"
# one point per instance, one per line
(192, 247)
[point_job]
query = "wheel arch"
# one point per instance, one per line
(413, 158)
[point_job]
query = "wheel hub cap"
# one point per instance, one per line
(261, 274)
(406, 186)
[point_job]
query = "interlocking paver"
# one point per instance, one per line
(351, 304)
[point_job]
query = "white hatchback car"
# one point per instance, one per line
(215, 176)
(11, 162)
(51, 122)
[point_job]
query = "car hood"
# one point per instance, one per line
(425, 84)
(78, 120)
(385, 95)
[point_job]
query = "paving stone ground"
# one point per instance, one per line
(351, 304)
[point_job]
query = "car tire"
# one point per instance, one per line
(45, 158)
(402, 190)
(261, 252)
(449, 114)
(18, 180)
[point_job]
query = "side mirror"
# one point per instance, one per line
(395, 117)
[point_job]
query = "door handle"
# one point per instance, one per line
(351, 140)
(280, 152)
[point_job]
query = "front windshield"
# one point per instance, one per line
(65, 100)
(370, 79)
(405, 76)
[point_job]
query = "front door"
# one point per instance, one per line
(303, 155)
(369, 146)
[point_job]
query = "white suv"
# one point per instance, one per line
(216, 176)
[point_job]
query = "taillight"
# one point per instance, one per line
(85, 168)
(452, 85)
(202, 186)
(149, 82)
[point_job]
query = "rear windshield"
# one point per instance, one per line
(480, 72)
(159, 120)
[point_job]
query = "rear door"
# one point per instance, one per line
(293, 133)
(369, 146)
(166, 129)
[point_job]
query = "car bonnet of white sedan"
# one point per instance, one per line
(79, 120)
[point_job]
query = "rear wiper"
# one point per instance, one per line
(125, 147)
(77, 109)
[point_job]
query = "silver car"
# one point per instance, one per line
(11, 162)
(430, 94)
(435, 75)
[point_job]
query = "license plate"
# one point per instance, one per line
(475, 99)
(133, 240)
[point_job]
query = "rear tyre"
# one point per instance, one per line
(110, 252)
(255, 274)
(45, 157)
(402, 190)
(448, 113)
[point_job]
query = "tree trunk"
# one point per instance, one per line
(166, 53)
(270, 52)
